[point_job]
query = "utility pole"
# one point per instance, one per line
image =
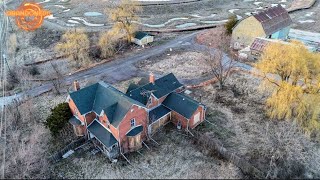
(3, 51)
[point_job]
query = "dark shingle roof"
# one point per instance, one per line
(74, 121)
(181, 104)
(259, 44)
(162, 86)
(157, 113)
(135, 131)
(274, 19)
(102, 134)
(131, 87)
(102, 96)
(140, 35)
(84, 98)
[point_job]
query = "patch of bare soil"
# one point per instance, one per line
(212, 37)
(182, 64)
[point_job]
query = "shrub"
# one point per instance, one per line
(232, 21)
(34, 71)
(58, 118)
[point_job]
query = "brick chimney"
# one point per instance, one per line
(76, 85)
(151, 78)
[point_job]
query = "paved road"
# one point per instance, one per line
(116, 70)
(124, 68)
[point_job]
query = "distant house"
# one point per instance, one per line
(118, 123)
(142, 38)
(273, 23)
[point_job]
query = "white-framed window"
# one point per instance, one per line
(132, 122)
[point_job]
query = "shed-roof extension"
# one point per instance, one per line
(157, 113)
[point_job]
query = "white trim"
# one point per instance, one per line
(134, 120)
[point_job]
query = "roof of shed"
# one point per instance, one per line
(181, 104)
(159, 88)
(260, 43)
(140, 35)
(273, 19)
(157, 113)
(102, 96)
(102, 134)
(135, 131)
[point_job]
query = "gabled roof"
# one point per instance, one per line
(274, 19)
(140, 35)
(135, 131)
(102, 134)
(102, 96)
(161, 87)
(181, 104)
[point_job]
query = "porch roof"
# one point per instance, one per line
(157, 113)
(135, 131)
(102, 134)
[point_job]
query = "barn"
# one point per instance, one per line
(273, 23)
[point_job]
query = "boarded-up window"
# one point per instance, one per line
(135, 142)
(196, 118)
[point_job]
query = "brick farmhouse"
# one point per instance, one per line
(118, 122)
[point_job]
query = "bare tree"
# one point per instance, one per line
(220, 65)
(56, 81)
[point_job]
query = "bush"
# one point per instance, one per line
(34, 71)
(58, 118)
(232, 21)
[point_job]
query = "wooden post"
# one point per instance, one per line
(145, 145)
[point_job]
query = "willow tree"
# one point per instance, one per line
(124, 15)
(74, 44)
(107, 43)
(292, 73)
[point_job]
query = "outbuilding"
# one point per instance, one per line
(142, 38)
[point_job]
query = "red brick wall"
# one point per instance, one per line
(104, 120)
(140, 116)
(175, 117)
(155, 102)
(90, 117)
(201, 110)
(75, 110)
